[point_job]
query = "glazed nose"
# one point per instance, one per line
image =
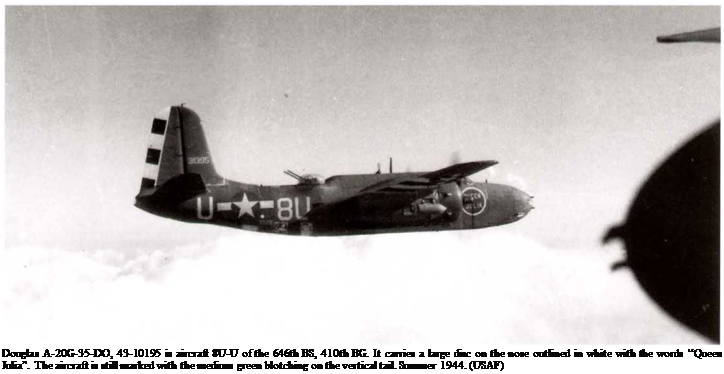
(529, 202)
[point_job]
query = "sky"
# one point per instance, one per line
(578, 104)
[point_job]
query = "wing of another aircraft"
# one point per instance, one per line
(405, 189)
(706, 36)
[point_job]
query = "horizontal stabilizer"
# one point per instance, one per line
(179, 188)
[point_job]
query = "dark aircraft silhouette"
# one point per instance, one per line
(672, 233)
(180, 182)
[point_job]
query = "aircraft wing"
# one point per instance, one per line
(457, 171)
(395, 193)
(428, 180)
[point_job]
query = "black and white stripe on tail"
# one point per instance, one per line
(155, 149)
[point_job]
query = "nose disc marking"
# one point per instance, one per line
(474, 201)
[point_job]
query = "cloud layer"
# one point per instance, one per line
(443, 288)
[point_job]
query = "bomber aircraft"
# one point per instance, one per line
(180, 182)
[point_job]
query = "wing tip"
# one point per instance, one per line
(484, 164)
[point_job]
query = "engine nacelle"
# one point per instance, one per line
(450, 197)
(444, 204)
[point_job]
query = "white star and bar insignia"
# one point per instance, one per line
(245, 206)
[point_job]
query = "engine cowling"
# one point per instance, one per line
(449, 196)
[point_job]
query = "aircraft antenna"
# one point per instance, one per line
(390, 165)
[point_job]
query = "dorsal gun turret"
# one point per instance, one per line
(306, 179)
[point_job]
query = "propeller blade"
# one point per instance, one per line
(455, 158)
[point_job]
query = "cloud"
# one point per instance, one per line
(466, 287)
(516, 181)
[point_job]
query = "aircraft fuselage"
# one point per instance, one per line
(282, 209)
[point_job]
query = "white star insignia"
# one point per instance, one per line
(245, 206)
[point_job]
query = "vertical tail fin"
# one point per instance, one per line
(177, 146)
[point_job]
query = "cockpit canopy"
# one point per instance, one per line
(306, 179)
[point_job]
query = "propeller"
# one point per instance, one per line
(455, 158)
